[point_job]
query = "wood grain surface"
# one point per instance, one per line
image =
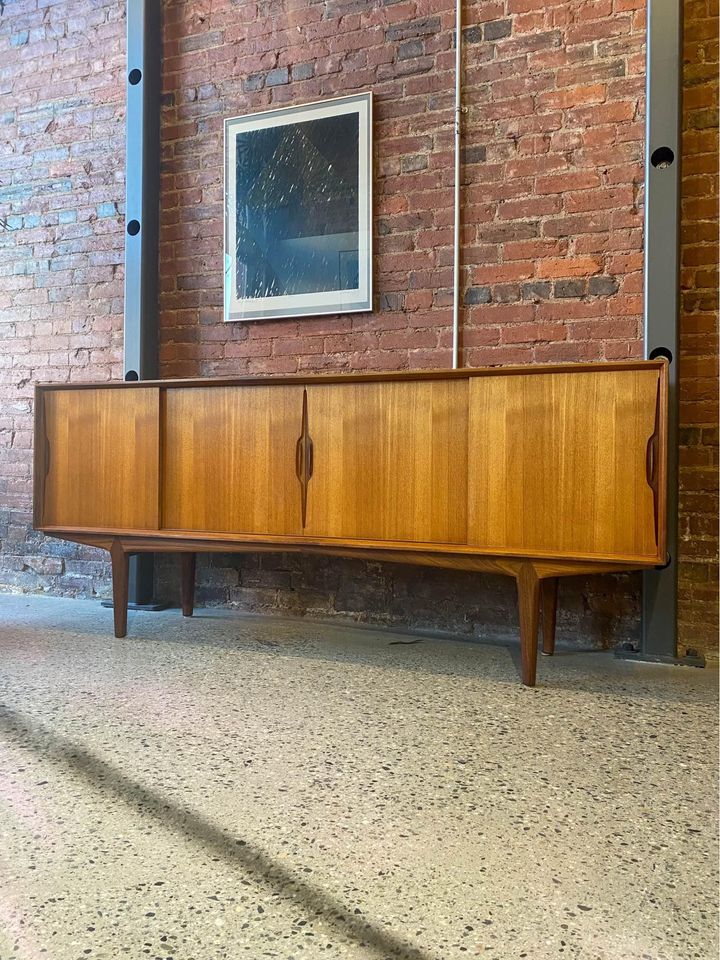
(553, 463)
(229, 460)
(558, 464)
(101, 458)
(389, 462)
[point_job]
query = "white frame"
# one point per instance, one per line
(305, 304)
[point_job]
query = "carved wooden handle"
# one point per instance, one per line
(651, 461)
(304, 460)
(299, 459)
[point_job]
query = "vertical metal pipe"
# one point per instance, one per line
(456, 223)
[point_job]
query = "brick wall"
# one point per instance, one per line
(553, 136)
(62, 145)
(552, 237)
(698, 607)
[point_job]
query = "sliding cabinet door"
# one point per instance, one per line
(229, 459)
(101, 457)
(389, 461)
(567, 463)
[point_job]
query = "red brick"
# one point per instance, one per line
(557, 107)
(569, 267)
(582, 180)
(572, 97)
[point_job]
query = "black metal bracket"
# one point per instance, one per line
(142, 607)
(629, 651)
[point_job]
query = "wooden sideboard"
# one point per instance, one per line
(533, 472)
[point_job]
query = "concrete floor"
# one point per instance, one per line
(229, 787)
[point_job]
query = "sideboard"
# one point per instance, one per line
(533, 472)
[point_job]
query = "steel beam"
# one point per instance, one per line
(661, 302)
(142, 216)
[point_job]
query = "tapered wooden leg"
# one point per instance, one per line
(528, 587)
(120, 567)
(548, 602)
(187, 583)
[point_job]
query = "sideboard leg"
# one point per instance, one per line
(120, 568)
(548, 600)
(187, 583)
(528, 587)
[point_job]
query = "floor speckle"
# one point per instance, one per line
(228, 787)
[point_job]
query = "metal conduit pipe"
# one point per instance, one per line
(456, 223)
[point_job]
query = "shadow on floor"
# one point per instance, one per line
(105, 777)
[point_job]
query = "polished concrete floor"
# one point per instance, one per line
(228, 787)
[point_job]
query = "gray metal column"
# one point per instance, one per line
(142, 206)
(662, 284)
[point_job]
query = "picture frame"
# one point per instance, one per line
(298, 210)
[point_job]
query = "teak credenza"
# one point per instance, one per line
(533, 472)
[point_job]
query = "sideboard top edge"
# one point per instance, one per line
(355, 377)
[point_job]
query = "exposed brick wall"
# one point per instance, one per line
(698, 607)
(62, 146)
(552, 233)
(594, 611)
(552, 237)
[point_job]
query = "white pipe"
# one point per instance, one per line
(456, 225)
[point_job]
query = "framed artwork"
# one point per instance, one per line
(298, 210)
